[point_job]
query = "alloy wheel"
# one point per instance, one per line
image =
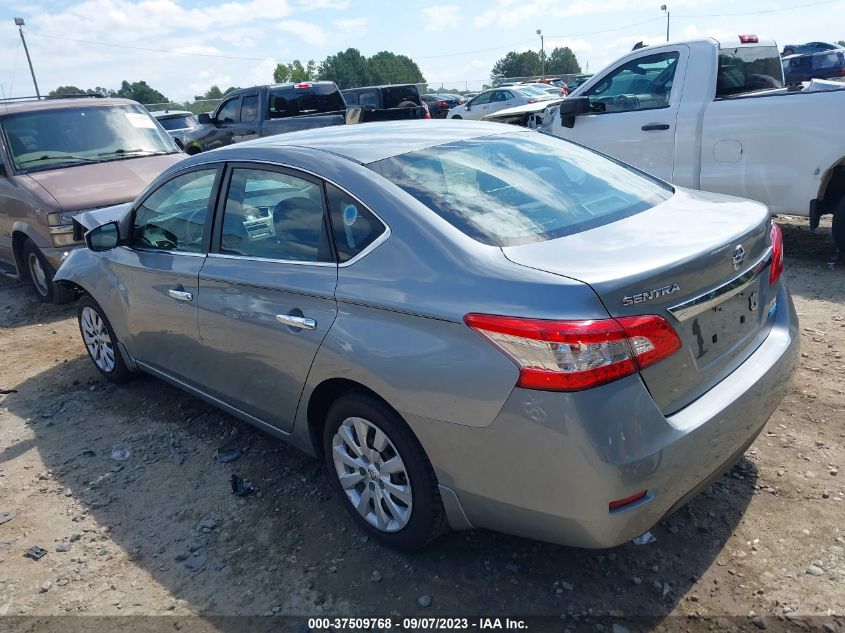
(38, 275)
(372, 474)
(97, 339)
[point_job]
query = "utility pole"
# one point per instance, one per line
(20, 23)
(663, 7)
(542, 54)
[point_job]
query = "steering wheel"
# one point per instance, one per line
(157, 237)
(625, 102)
(194, 229)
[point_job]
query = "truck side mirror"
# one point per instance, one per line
(103, 238)
(572, 107)
(204, 118)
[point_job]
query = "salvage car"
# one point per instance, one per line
(398, 297)
(176, 122)
(60, 156)
(497, 99)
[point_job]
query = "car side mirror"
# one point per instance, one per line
(204, 118)
(354, 114)
(103, 238)
(467, 107)
(572, 107)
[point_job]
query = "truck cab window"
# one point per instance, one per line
(228, 112)
(644, 83)
(747, 69)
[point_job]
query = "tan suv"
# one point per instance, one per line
(62, 156)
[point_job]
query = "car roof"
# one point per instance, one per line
(27, 105)
(370, 142)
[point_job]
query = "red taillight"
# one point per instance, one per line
(575, 355)
(748, 39)
(303, 85)
(441, 104)
(777, 254)
(621, 503)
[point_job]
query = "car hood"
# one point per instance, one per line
(519, 111)
(93, 218)
(102, 184)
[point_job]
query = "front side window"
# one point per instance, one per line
(516, 188)
(483, 98)
(229, 111)
(249, 109)
(60, 137)
(748, 69)
(355, 227)
(271, 215)
(173, 217)
(644, 83)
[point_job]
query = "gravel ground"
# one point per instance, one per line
(151, 536)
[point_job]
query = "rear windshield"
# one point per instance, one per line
(178, 122)
(59, 137)
(748, 69)
(314, 99)
(394, 96)
(523, 187)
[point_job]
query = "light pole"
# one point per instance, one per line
(20, 23)
(542, 54)
(663, 7)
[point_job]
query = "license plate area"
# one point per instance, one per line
(720, 329)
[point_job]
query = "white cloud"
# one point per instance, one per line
(441, 17)
(351, 27)
(308, 32)
(337, 5)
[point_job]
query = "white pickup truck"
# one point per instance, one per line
(716, 116)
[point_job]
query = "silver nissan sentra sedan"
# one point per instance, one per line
(473, 325)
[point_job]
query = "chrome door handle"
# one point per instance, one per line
(180, 295)
(297, 321)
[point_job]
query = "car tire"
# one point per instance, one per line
(40, 275)
(399, 500)
(457, 116)
(839, 227)
(100, 341)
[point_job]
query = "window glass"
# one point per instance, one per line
(274, 216)
(395, 96)
(173, 217)
(355, 226)
(644, 83)
(351, 97)
(748, 69)
(249, 109)
(517, 188)
(179, 122)
(228, 113)
(483, 98)
(368, 99)
(307, 99)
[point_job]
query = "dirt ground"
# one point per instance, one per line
(150, 536)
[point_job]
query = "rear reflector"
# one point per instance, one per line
(748, 39)
(620, 503)
(777, 253)
(576, 355)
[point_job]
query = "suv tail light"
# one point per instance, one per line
(748, 39)
(777, 254)
(575, 355)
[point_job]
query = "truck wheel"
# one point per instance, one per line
(457, 116)
(41, 276)
(839, 227)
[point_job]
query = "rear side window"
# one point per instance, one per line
(355, 227)
(517, 188)
(313, 99)
(249, 109)
(748, 69)
(272, 215)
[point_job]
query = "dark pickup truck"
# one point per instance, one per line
(267, 110)
(387, 103)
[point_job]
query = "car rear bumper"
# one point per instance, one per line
(550, 463)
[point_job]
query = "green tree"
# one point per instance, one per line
(66, 90)
(141, 92)
(295, 71)
(515, 64)
(841, 42)
(230, 89)
(348, 69)
(562, 61)
(213, 93)
(389, 68)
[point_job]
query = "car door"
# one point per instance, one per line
(249, 126)
(157, 270)
(500, 100)
(479, 107)
(266, 296)
(227, 118)
(634, 108)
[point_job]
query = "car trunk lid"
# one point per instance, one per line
(699, 260)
